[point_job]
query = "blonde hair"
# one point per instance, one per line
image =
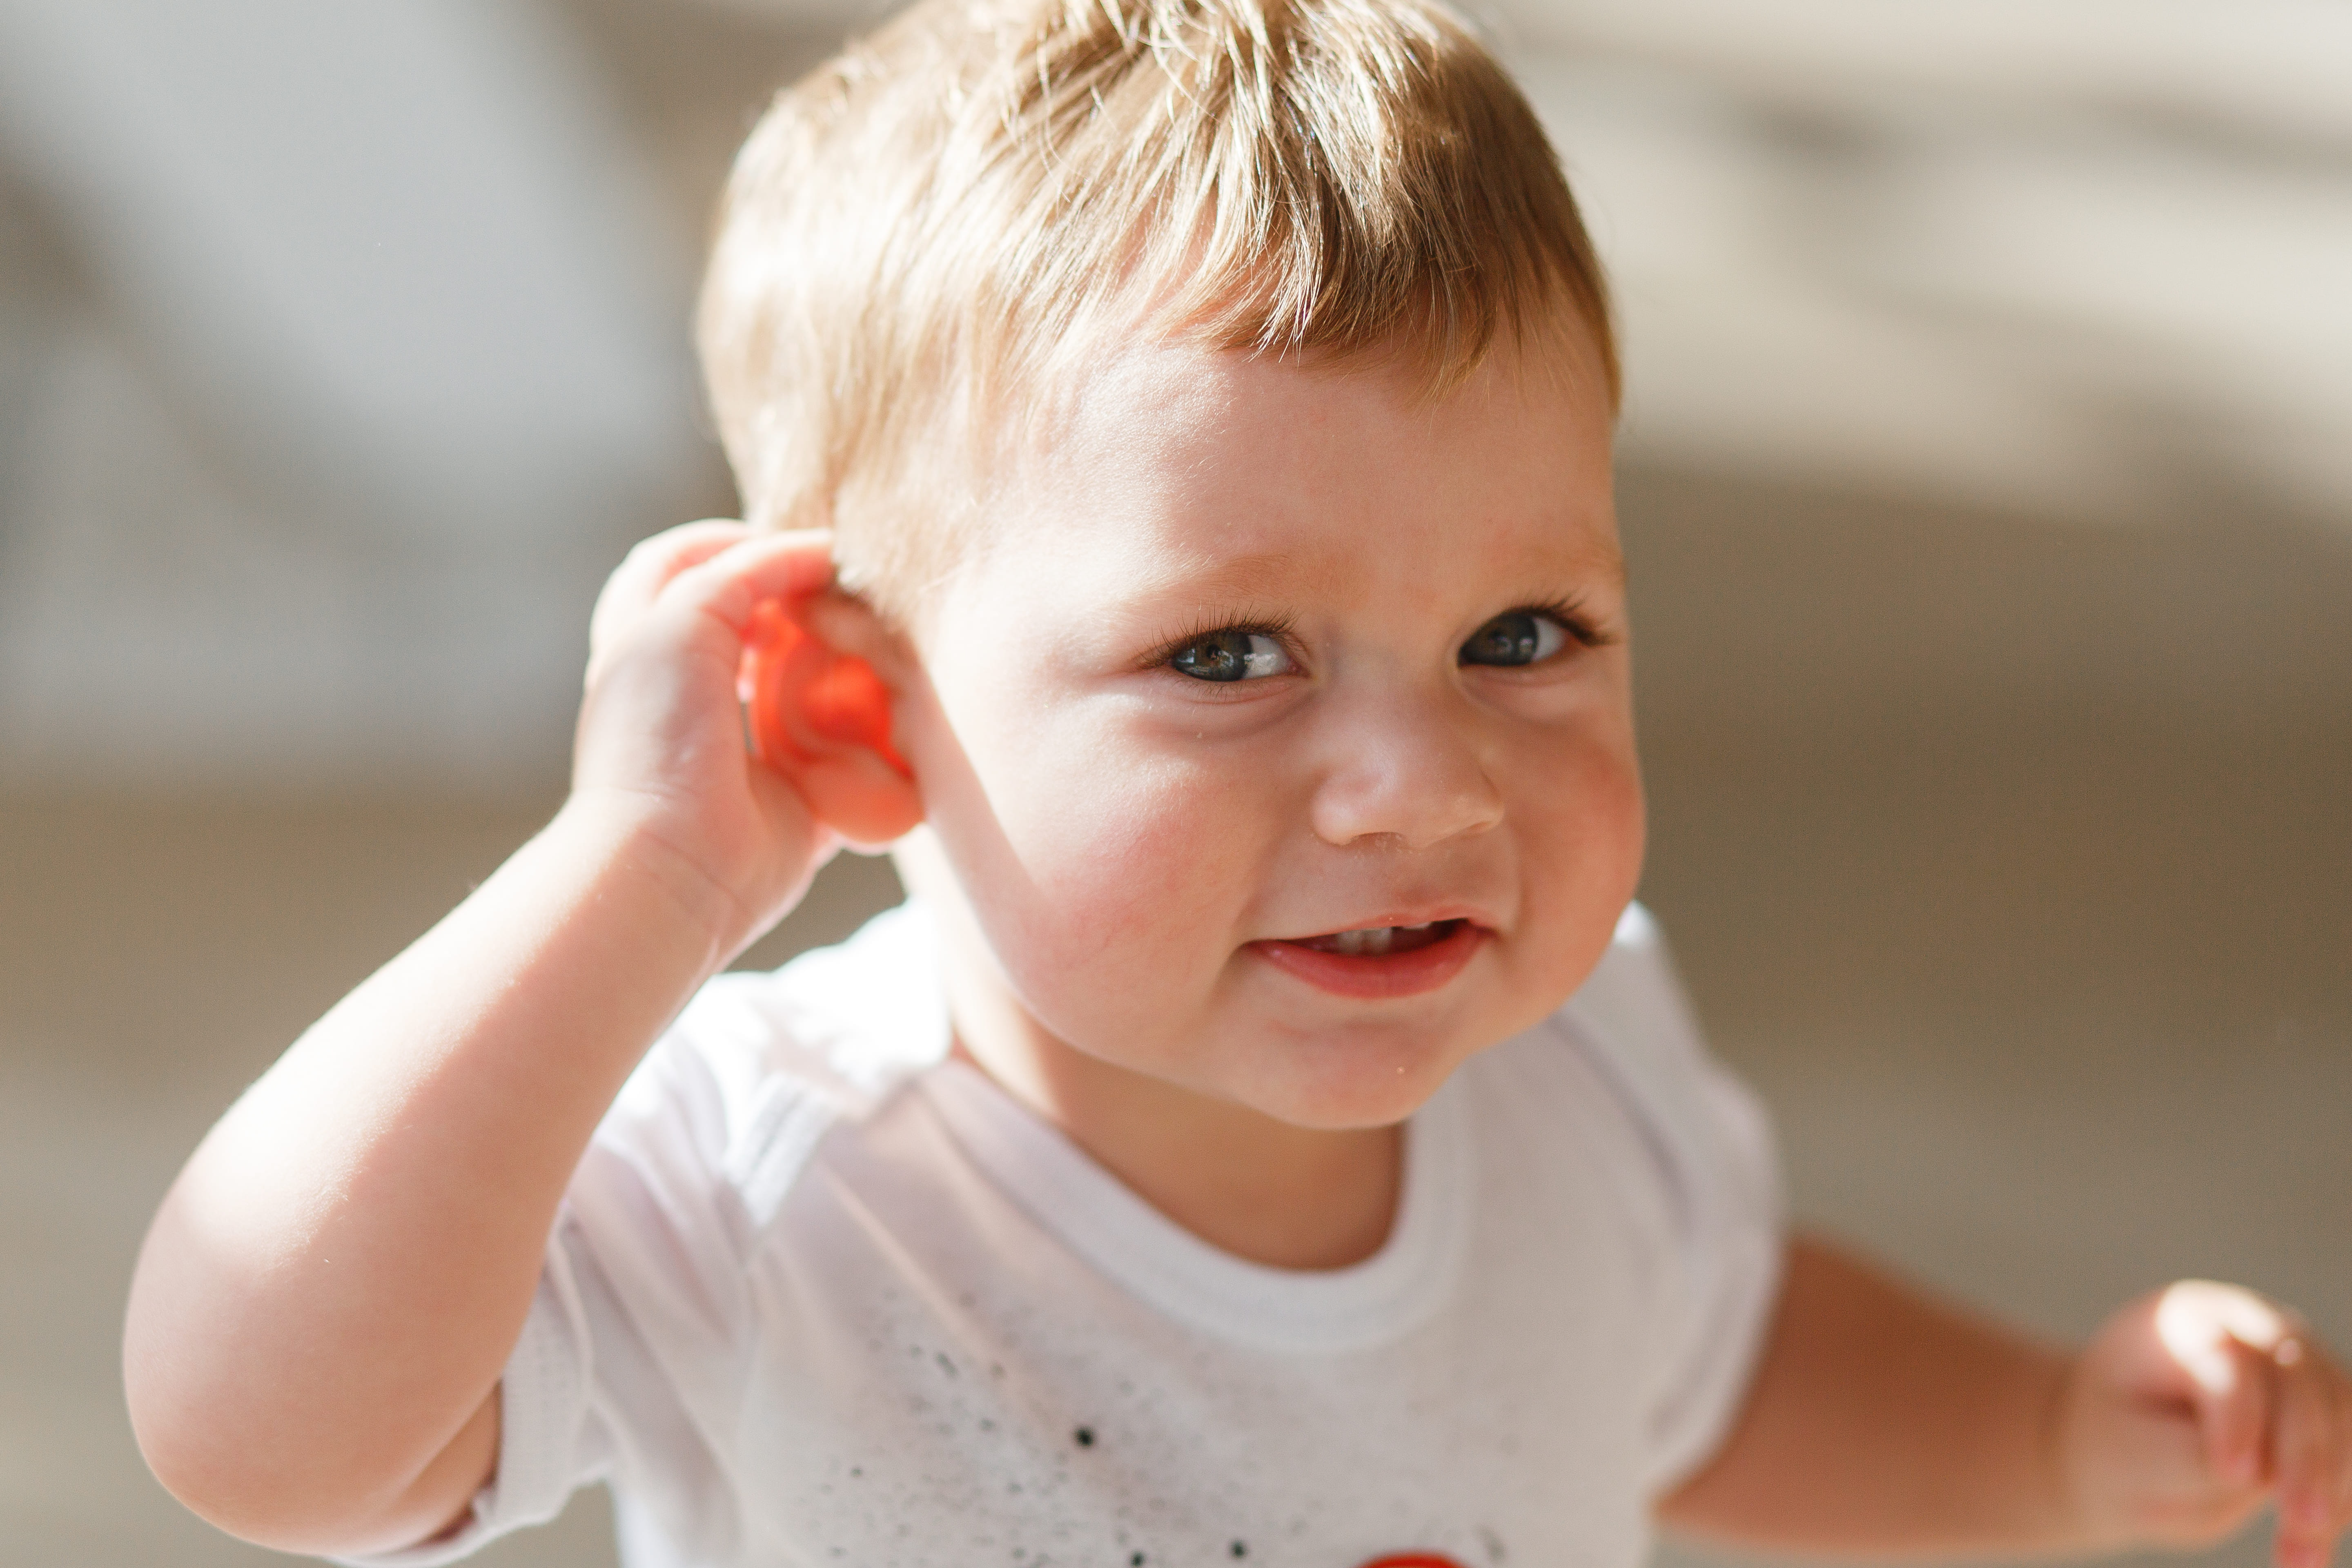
(952, 212)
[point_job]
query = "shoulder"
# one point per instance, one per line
(1690, 1164)
(849, 1023)
(1629, 1038)
(1632, 1018)
(760, 1066)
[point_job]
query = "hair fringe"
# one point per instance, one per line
(963, 207)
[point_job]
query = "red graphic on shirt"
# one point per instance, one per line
(1414, 1559)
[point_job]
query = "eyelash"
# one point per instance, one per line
(1278, 628)
(1567, 612)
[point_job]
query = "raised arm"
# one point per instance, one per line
(324, 1303)
(1883, 1423)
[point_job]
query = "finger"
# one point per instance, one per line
(763, 566)
(2310, 1446)
(648, 567)
(2239, 1419)
(2195, 1317)
(2343, 1451)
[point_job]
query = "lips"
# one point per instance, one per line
(1371, 962)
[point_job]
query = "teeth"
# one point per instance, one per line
(1372, 940)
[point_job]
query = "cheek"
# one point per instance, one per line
(1106, 877)
(1583, 842)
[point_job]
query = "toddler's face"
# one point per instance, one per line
(1277, 732)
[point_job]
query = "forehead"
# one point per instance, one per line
(1231, 474)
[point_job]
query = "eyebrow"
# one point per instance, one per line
(1265, 572)
(1606, 560)
(1238, 577)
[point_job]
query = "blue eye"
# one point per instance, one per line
(1231, 655)
(1518, 637)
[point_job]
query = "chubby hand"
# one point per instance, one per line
(661, 739)
(2195, 1405)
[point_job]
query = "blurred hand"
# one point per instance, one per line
(2195, 1405)
(661, 741)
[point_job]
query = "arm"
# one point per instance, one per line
(321, 1313)
(1881, 1424)
(327, 1294)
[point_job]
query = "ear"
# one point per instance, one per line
(823, 719)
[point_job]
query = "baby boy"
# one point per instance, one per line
(1269, 1131)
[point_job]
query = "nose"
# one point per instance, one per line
(1404, 770)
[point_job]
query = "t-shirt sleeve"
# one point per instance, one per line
(1713, 1147)
(630, 1358)
(545, 1449)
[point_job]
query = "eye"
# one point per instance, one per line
(1515, 637)
(1231, 655)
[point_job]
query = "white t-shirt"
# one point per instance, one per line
(820, 1294)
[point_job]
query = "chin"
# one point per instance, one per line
(1355, 1081)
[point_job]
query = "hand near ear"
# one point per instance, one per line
(690, 619)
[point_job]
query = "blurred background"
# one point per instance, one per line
(1987, 475)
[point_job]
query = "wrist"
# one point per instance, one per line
(629, 857)
(2068, 1520)
(2096, 1503)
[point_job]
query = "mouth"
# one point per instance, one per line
(1377, 962)
(1375, 942)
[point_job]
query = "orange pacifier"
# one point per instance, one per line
(800, 693)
